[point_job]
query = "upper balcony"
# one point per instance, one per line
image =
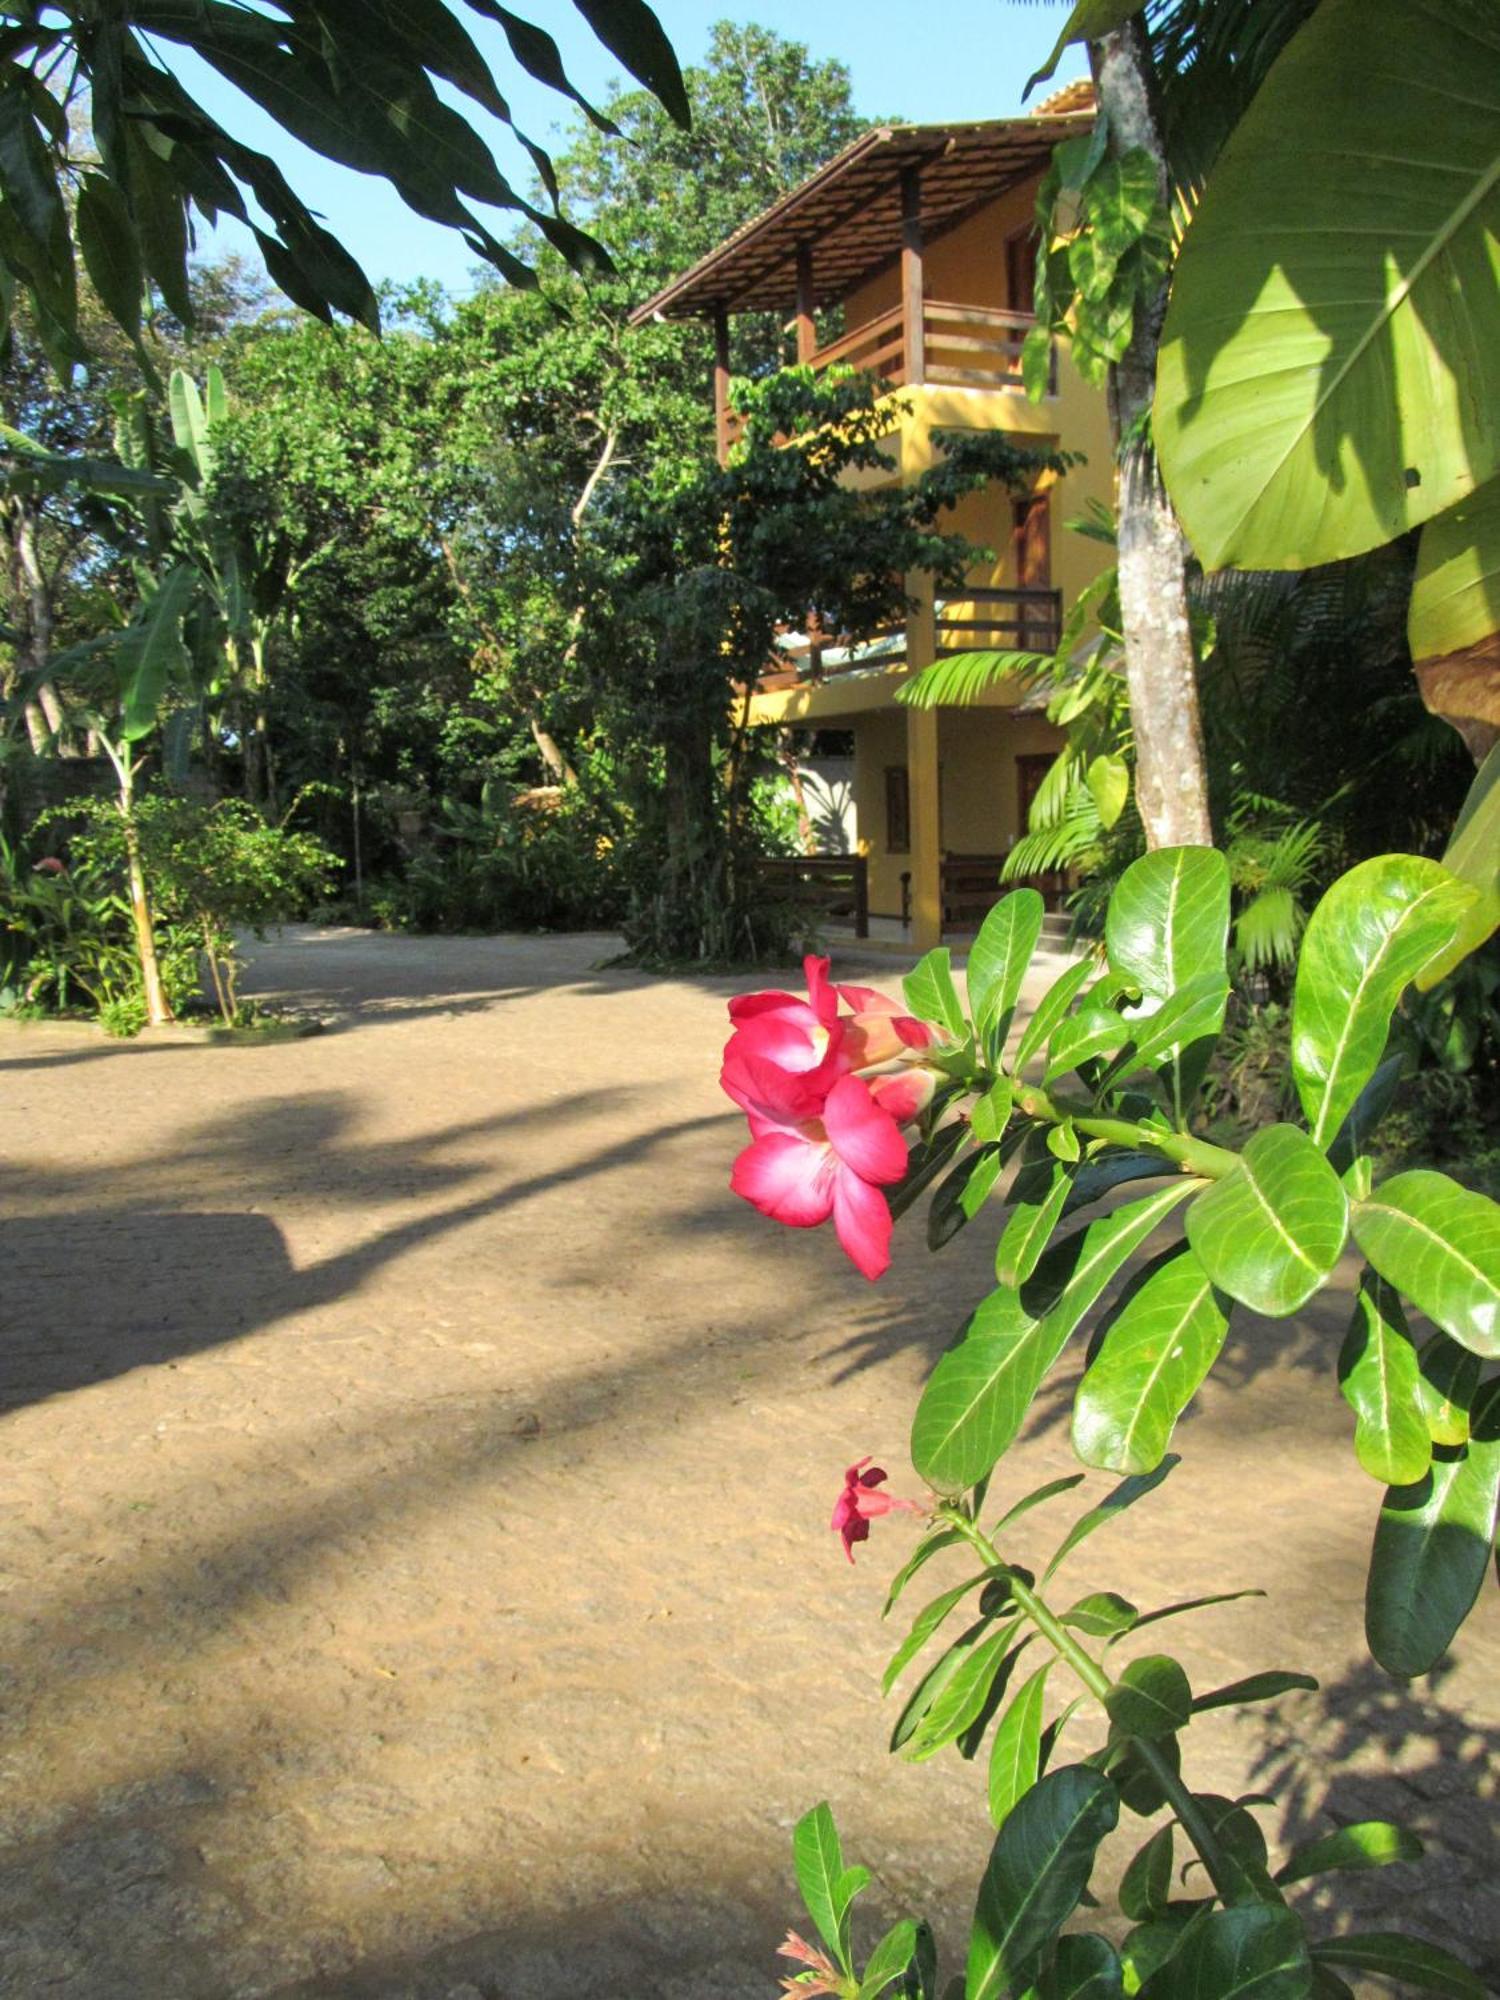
(918, 237)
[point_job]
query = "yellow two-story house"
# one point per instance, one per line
(919, 240)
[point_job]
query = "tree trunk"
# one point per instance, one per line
(1161, 670)
(29, 588)
(556, 763)
(158, 1013)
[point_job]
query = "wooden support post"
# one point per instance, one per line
(807, 333)
(915, 352)
(922, 777)
(721, 382)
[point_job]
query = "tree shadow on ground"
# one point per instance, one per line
(1369, 1747)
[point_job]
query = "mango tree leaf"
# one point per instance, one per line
(977, 1397)
(1151, 1698)
(1432, 1547)
(1155, 1348)
(1271, 1231)
(1379, 1378)
(1252, 1952)
(1324, 382)
(1255, 1687)
(818, 1859)
(111, 253)
(889, 1959)
(1050, 1009)
(1015, 1753)
(998, 959)
(1366, 941)
(1409, 1960)
(1370, 1843)
(1168, 919)
(1038, 1869)
(1439, 1244)
(1084, 1967)
(1109, 1509)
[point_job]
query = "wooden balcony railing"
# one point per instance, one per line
(1025, 618)
(972, 347)
(967, 347)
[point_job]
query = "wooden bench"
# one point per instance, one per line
(971, 887)
(835, 885)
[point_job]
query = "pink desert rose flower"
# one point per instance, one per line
(802, 1170)
(862, 1502)
(826, 1094)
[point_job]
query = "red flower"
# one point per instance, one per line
(862, 1502)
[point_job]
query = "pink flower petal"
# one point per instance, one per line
(865, 1000)
(745, 1006)
(865, 1138)
(787, 1177)
(823, 998)
(862, 1222)
(763, 1089)
(905, 1094)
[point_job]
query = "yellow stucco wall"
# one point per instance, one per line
(977, 752)
(965, 265)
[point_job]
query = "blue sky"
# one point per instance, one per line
(950, 59)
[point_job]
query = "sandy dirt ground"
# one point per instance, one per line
(413, 1534)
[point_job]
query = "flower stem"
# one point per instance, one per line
(1189, 1812)
(1194, 1156)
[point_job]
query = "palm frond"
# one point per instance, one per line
(959, 680)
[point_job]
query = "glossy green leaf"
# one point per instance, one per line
(889, 1959)
(1366, 941)
(1194, 1013)
(1379, 1378)
(1035, 1498)
(1146, 1885)
(930, 993)
(1149, 1946)
(920, 1556)
(961, 1698)
(1063, 1142)
(1473, 854)
(1151, 1698)
(1084, 1967)
(932, 1683)
(1115, 1167)
(1088, 20)
(1103, 1614)
(1255, 1687)
(1370, 1843)
(1271, 1231)
(1432, 1548)
(1136, 1780)
(1091, 1032)
(1015, 1753)
(1050, 1009)
(962, 1195)
(1108, 780)
(1253, 1952)
(998, 959)
(1410, 1961)
(1325, 383)
(1109, 1509)
(1439, 1244)
(924, 1164)
(1038, 1869)
(1187, 1604)
(1373, 1102)
(818, 1859)
(1155, 1348)
(1447, 1380)
(977, 1397)
(926, 1622)
(991, 1113)
(1455, 594)
(1168, 919)
(1036, 1206)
